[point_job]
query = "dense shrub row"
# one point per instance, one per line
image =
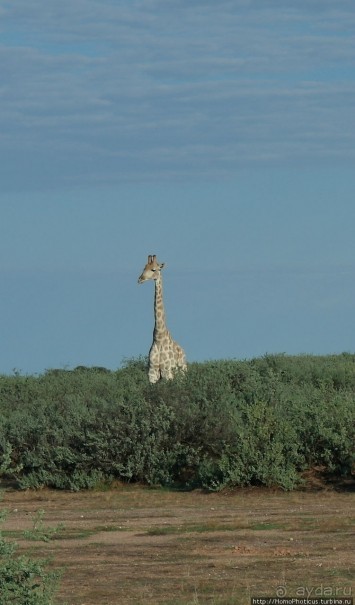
(224, 423)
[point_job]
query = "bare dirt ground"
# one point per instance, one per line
(133, 545)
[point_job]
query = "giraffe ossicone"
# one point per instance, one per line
(165, 355)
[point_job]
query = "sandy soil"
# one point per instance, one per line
(133, 545)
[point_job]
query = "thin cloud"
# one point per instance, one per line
(110, 91)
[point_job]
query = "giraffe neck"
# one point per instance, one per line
(159, 312)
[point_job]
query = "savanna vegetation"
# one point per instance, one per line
(24, 580)
(223, 424)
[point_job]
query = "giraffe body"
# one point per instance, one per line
(165, 355)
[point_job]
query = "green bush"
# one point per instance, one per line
(223, 423)
(23, 580)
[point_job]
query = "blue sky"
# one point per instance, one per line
(219, 136)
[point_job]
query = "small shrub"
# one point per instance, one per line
(39, 531)
(24, 580)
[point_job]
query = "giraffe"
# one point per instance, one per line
(165, 355)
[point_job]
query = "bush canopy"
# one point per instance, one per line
(222, 424)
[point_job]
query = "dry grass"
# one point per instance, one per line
(138, 546)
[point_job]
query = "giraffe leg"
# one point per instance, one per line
(180, 357)
(154, 364)
(153, 374)
(167, 373)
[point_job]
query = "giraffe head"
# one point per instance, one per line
(151, 270)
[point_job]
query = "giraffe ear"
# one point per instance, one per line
(161, 265)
